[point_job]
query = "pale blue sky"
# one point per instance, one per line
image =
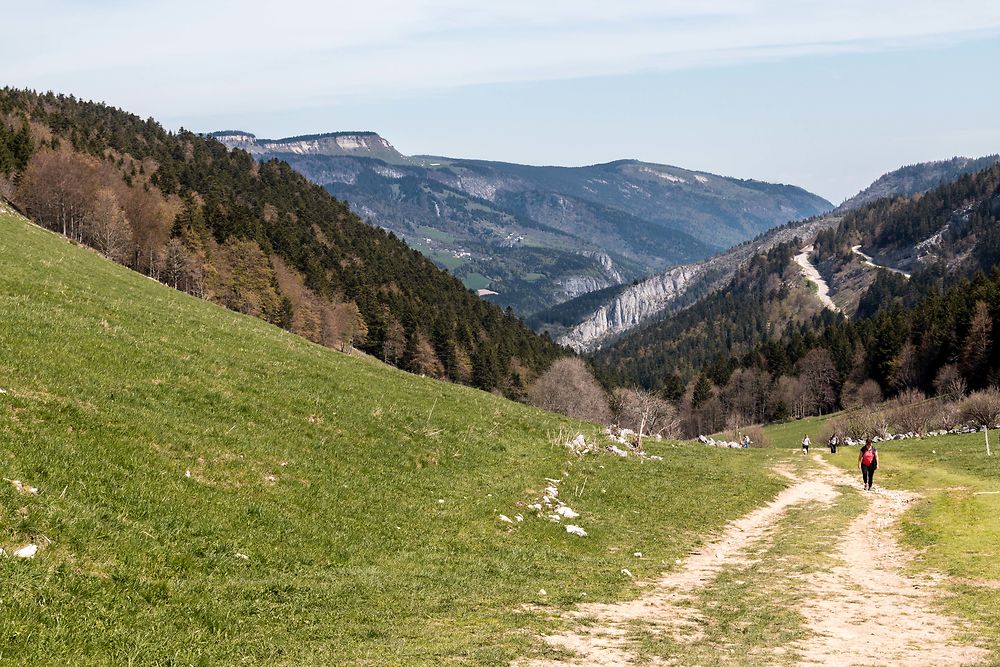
(827, 95)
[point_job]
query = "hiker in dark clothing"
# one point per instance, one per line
(868, 462)
(833, 443)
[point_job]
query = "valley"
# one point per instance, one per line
(538, 236)
(513, 334)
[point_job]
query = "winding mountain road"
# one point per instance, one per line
(868, 261)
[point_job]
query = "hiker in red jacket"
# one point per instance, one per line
(868, 462)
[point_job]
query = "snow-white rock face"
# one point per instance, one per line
(633, 306)
(335, 143)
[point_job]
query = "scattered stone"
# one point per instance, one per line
(567, 512)
(506, 519)
(627, 573)
(617, 452)
(440, 501)
(27, 551)
(241, 556)
(638, 554)
(519, 518)
(541, 591)
(21, 487)
(576, 530)
(187, 473)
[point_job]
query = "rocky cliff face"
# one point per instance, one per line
(678, 287)
(355, 144)
(630, 308)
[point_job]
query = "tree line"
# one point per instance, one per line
(255, 237)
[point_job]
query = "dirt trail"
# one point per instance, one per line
(868, 260)
(812, 273)
(662, 608)
(894, 624)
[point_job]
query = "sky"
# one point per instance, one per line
(823, 94)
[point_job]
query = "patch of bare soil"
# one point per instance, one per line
(866, 610)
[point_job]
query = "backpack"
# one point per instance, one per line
(868, 457)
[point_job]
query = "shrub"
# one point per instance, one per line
(912, 412)
(861, 424)
(569, 388)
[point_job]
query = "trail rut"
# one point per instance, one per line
(893, 623)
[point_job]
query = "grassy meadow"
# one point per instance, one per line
(216, 491)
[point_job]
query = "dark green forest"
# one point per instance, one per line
(907, 334)
(214, 210)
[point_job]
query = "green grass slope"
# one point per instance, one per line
(214, 490)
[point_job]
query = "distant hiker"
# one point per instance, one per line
(833, 443)
(746, 441)
(805, 444)
(868, 462)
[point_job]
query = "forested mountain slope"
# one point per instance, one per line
(766, 334)
(538, 235)
(254, 236)
(592, 323)
(915, 178)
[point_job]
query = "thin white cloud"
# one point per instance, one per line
(213, 57)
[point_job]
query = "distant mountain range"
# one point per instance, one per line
(596, 320)
(538, 236)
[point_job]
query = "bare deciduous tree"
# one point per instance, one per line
(982, 410)
(106, 228)
(645, 412)
(949, 383)
(912, 412)
(976, 348)
(569, 388)
(854, 395)
(818, 377)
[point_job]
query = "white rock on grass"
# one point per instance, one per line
(506, 519)
(27, 551)
(617, 452)
(519, 518)
(567, 512)
(576, 530)
(22, 487)
(626, 572)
